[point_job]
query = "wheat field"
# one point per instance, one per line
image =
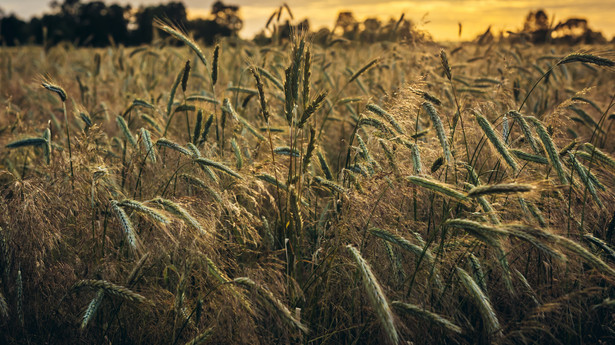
(333, 193)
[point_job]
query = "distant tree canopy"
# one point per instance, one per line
(374, 30)
(225, 22)
(346, 26)
(539, 28)
(98, 24)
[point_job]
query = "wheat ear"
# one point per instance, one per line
(376, 296)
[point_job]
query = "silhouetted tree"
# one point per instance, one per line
(537, 26)
(576, 31)
(207, 30)
(538, 29)
(96, 23)
(227, 16)
(225, 22)
(13, 30)
(173, 12)
(348, 24)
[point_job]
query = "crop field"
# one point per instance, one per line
(337, 193)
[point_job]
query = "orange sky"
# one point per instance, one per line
(439, 17)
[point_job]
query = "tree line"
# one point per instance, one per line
(98, 24)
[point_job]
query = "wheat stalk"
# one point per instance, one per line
(261, 94)
(201, 338)
(603, 245)
(496, 142)
(214, 69)
(195, 181)
(403, 243)
(148, 145)
(550, 148)
(479, 273)
(4, 308)
(324, 165)
(586, 58)
(427, 315)
(585, 178)
(126, 131)
(437, 123)
(219, 166)
(237, 152)
(438, 187)
(140, 207)
(503, 188)
(131, 235)
(525, 128)
(174, 146)
(90, 311)
(312, 108)
(272, 302)
(529, 157)
(382, 113)
(490, 320)
(332, 186)
(182, 37)
(111, 289)
(600, 155)
(590, 258)
(180, 212)
(376, 296)
(27, 142)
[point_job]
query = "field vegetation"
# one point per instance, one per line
(331, 193)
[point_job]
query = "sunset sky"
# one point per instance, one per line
(439, 17)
